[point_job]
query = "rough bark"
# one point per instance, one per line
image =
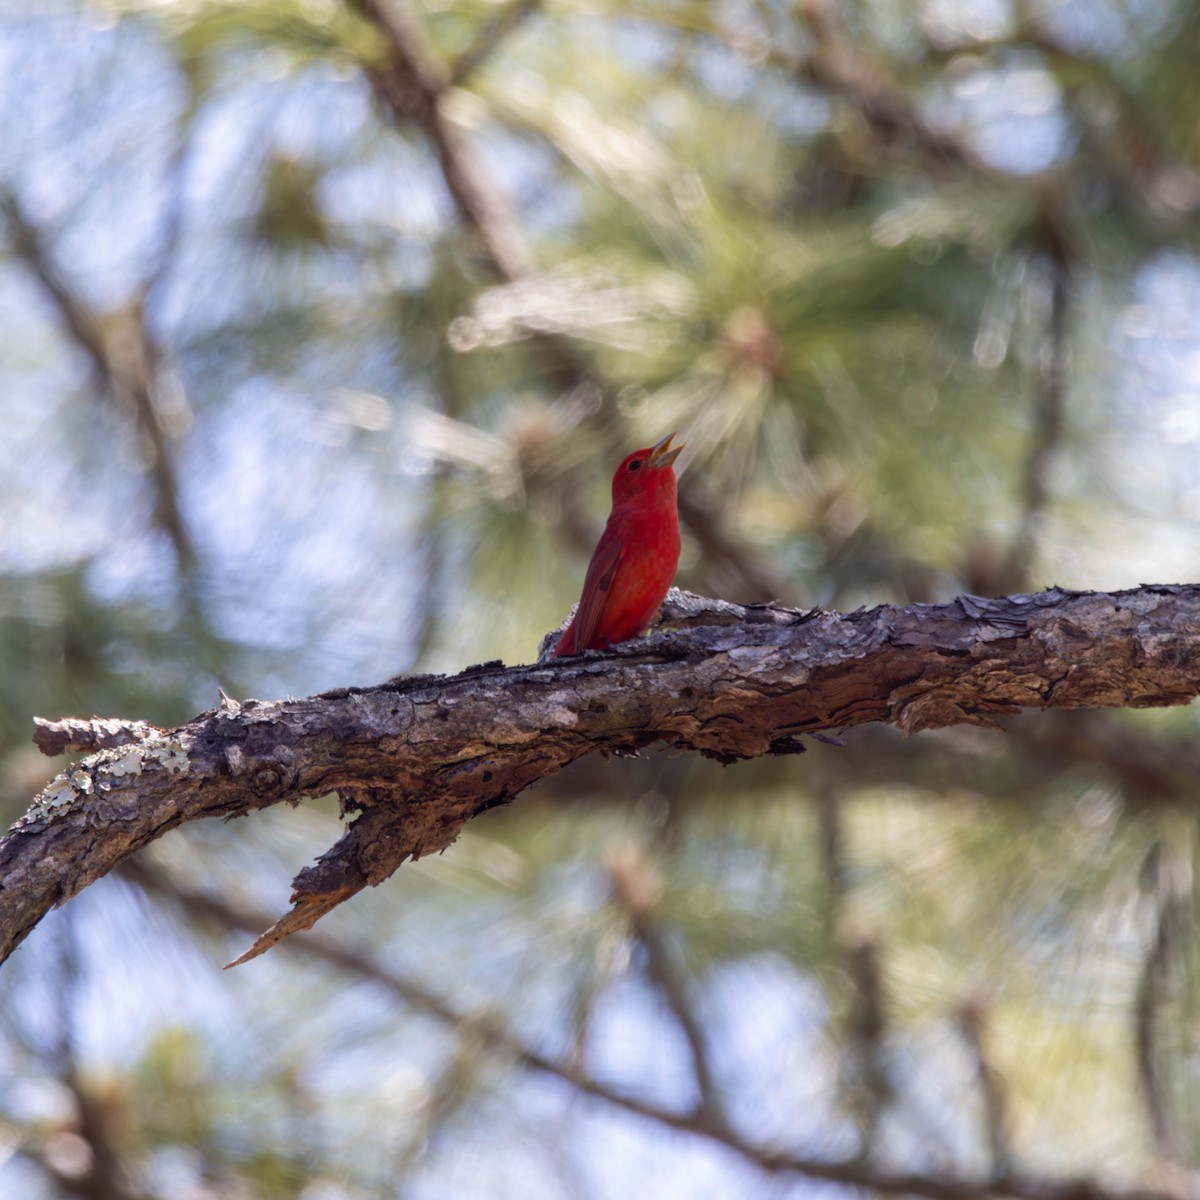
(415, 758)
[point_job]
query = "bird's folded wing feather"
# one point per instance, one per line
(600, 574)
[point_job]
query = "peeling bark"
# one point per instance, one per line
(415, 758)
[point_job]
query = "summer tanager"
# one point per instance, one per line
(634, 562)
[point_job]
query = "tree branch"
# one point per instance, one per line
(125, 359)
(416, 758)
(412, 81)
(842, 68)
(972, 1020)
(490, 37)
(99, 733)
(1049, 403)
(497, 1037)
(1169, 877)
(135, 372)
(638, 890)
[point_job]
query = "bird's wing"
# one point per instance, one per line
(600, 574)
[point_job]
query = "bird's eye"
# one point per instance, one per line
(637, 462)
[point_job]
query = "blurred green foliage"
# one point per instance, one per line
(325, 324)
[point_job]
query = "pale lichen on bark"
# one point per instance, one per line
(95, 784)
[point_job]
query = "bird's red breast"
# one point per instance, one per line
(634, 562)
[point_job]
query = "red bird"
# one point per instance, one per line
(635, 559)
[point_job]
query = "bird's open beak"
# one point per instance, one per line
(662, 454)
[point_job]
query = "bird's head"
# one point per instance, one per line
(647, 473)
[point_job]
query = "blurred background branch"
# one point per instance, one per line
(491, 1031)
